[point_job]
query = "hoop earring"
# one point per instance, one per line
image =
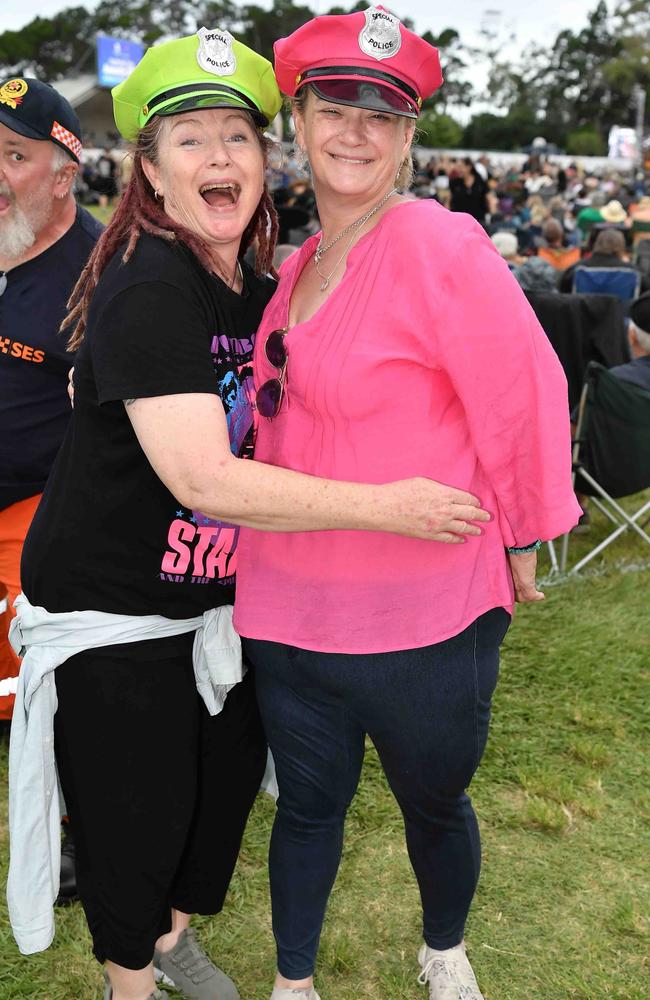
(157, 195)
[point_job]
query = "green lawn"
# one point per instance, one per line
(564, 800)
(103, 214)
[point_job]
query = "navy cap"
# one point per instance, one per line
(37, 111)
(640, 312)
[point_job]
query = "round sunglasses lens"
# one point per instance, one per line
(275, 349)
(268, 397)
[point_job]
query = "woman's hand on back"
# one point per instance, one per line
(185, 438)
(423, 508)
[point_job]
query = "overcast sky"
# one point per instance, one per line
(530, 20)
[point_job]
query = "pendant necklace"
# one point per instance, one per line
(353, 228)
(234, 276)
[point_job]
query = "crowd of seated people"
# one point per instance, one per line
(546, 220)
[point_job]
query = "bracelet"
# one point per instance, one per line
(520, 550)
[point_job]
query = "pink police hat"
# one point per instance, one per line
(368, 60)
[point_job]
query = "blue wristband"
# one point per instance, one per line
(520, 550)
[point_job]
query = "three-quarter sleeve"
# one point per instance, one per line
(514, 392)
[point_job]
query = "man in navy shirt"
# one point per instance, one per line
(45, 241)
(637, 371)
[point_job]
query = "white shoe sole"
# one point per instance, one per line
(161, 977)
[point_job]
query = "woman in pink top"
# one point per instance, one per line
(397, 345)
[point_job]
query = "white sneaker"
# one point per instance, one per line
(307, 993)
(448, 973)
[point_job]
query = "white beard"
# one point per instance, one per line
(19, 232)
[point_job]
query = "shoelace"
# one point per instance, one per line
(427, 970)
(449, 967)
(193, 960)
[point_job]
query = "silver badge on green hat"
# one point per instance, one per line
(215, 52)
(210, 69)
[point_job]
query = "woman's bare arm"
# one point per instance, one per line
(185, 438)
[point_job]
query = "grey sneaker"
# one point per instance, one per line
(305, 994)
(190, 971)
(448, 973)
(108, 991)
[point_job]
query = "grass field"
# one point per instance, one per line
(564, 801)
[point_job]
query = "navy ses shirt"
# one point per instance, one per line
(34, 364)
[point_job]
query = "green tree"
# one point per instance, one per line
(456, 91)
(438, 131)
(501, 132)
(48, 47)
(260, 28)
(586, 142)
(576, 93)
(584, 83)
(631, 65)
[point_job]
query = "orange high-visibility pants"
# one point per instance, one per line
(14, 525)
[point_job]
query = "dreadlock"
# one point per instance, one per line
(139, 211)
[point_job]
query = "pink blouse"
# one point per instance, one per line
(426, 360)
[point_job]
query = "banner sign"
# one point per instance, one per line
(116, 58)
(623, 143)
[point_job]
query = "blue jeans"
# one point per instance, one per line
(427, 712)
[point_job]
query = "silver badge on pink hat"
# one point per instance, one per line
(381, 37)
(215, 53)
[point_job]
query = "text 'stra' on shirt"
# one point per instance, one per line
(34, 363)
(426, 360)
(108, 534)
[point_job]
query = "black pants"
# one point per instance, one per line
(158, 792)
(427, 712)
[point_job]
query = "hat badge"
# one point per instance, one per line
(215, 53)
(12, 93)
(381, 36)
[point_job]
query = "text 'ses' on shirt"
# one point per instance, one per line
(34, 405)
(108, 534)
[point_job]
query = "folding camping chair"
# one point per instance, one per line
(611, 455)
(640, 232)
(622, 282)
(642, 256)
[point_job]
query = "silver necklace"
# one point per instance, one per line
(328, 277)
(352, 228)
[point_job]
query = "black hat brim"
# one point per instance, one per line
(198, 103)
(20, 128)
(358, 93)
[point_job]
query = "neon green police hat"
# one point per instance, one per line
(210, 69)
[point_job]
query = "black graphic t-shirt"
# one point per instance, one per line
(108, 535)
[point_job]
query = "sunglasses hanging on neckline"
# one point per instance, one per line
(269, 395)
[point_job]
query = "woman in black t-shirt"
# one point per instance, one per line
(140, 516)
(469, 192)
